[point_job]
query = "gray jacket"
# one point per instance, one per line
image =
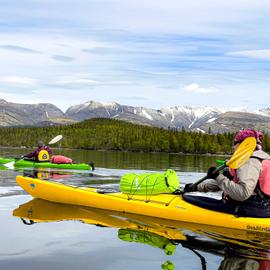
(238, 263)
(247, 175)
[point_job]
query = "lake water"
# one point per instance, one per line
(36, 234)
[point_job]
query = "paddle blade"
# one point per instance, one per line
(242, 153)
(56, 139)
(10, 165)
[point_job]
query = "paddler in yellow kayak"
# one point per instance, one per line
(41, 154)
(246, 190)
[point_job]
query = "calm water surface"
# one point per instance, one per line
(36, 234)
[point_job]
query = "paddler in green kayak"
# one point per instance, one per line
(246, 190)
(41, 154)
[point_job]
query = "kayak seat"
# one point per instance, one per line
(211, 204)
(249, 208)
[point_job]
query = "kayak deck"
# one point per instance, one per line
(165, 206)
(73, 166)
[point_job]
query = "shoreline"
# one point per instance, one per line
(111, 150)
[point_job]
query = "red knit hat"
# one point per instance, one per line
(243, 134)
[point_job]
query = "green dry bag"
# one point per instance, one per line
(149, 183)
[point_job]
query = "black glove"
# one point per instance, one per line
(211, 174)
(190, 188)
(226, 172)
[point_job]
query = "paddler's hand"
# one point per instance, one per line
(226, 172)
(211, 174)
(190, 188)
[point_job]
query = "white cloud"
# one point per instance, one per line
(260, 54)
(74, 81)
(194, 87)
(18, 80)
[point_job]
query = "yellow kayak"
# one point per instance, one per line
(165, 206)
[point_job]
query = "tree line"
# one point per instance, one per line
(109, 134)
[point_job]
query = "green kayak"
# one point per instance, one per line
(21, 163)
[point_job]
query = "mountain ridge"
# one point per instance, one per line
(191, 118)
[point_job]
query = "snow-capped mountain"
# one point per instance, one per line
(190, 117)
(175, 117)
(264, 112)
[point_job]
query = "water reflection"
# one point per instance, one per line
(239, 249)
(45, 174)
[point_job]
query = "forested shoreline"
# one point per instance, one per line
(108, 134)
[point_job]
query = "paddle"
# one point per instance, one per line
(52, 141)
(239, 157)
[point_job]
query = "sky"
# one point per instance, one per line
(150, 53)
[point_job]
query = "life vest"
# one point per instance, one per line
(264, 178)
(264, 265)
(43, 155)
